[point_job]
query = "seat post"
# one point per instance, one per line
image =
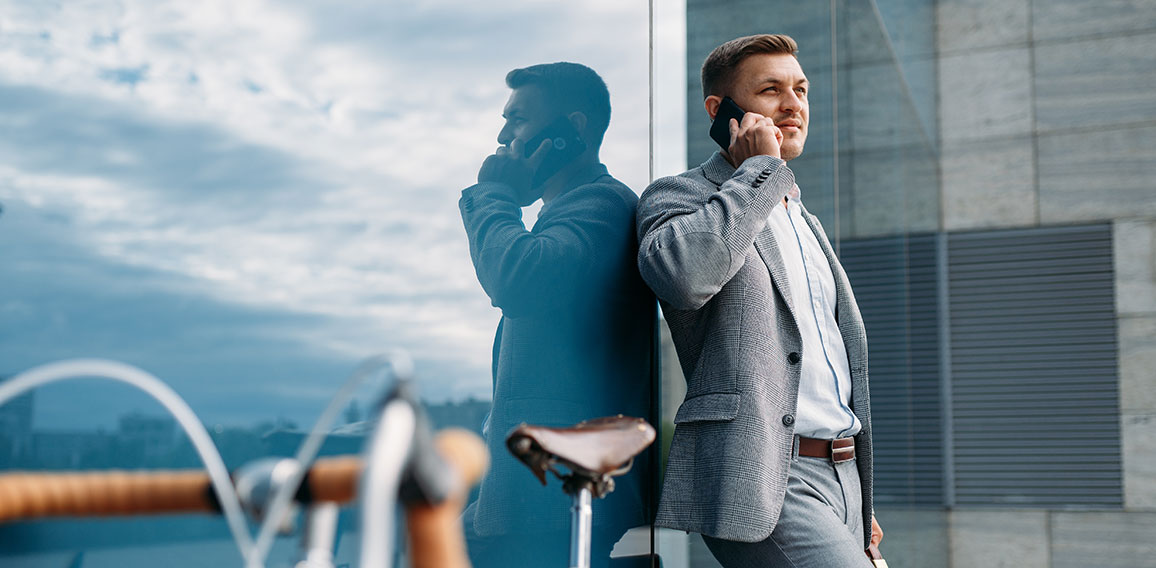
(319, 536)
(580, 521)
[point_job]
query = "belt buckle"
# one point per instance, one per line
(845, 453)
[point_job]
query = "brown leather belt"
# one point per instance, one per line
(840, 450)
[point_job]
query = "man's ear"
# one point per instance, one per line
(578, 120)
(712, 103)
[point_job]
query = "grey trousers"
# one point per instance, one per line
(821, 525)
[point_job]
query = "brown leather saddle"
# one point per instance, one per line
(593, 451)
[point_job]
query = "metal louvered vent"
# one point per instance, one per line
(1033, 368)
(894, 281)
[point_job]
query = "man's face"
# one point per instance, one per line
(526, 114)
(774, 86)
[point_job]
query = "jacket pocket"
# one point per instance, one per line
(720, 406)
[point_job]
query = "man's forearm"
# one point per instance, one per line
(523, 271)
(493, 223)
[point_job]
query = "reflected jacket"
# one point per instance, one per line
(574, 341)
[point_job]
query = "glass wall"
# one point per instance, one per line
(1001, 262)
(248, 198)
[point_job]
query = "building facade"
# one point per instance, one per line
(987, 170)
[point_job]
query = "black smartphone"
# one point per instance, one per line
(565, 145)
(720, 130)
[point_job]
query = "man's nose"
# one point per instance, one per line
(791, 102)
(506, 135)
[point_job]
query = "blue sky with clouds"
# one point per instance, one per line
(246, 197)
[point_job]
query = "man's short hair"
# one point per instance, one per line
(570, 87)
(719, 68)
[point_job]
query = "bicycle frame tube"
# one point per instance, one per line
(580, 519)
(388, 455)
(319, 536)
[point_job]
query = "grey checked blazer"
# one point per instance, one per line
(706, 251)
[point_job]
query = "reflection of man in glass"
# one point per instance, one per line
(771, 455)
(576, 330)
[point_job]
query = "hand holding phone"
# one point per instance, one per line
(720, 129)
(525, 166)
(565, 145)
(752, 135)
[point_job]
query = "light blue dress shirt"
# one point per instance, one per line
(825, 384)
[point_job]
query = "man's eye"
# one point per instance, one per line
(771, 90)
(801, 91)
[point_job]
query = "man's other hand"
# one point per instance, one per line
(509, 166)
(756, 135)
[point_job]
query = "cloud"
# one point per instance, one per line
(62, 300)
(90, 137)
(247, 194)
(127, 75)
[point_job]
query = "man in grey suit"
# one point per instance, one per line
(771, 456)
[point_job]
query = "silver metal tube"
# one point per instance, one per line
(580, 518)
(388, 448)
(185, 417)
(401, 367)
(319, 536)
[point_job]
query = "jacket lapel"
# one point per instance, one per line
(769, 251)
(718, 170)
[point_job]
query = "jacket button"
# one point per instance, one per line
(793, 357)
(788, 419)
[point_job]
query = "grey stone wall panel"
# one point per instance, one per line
(882, 112)
(969, 25)
(1068, 19)
(1138, 445)
(1097, 83)
(989, 184)
(1134, 252)
(894, 192)
(1103, 540)
(999, 538)
(984, 95)
(1097, 174)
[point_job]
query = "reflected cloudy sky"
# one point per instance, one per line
(247, 197)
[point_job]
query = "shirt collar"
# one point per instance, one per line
(584, 176)
(590, 174)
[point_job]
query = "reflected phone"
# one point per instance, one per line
(720, 130)
(565, 145)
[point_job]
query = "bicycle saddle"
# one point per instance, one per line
(593, 450)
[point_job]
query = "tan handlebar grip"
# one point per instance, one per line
(465, 452)
(335, 479)
(32, 495)
(435, 532)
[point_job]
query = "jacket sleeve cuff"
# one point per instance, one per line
(485, 192)
(765, 180)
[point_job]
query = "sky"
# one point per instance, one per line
(247, 197)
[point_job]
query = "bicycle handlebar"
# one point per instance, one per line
(34, 495)
(30, 495)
